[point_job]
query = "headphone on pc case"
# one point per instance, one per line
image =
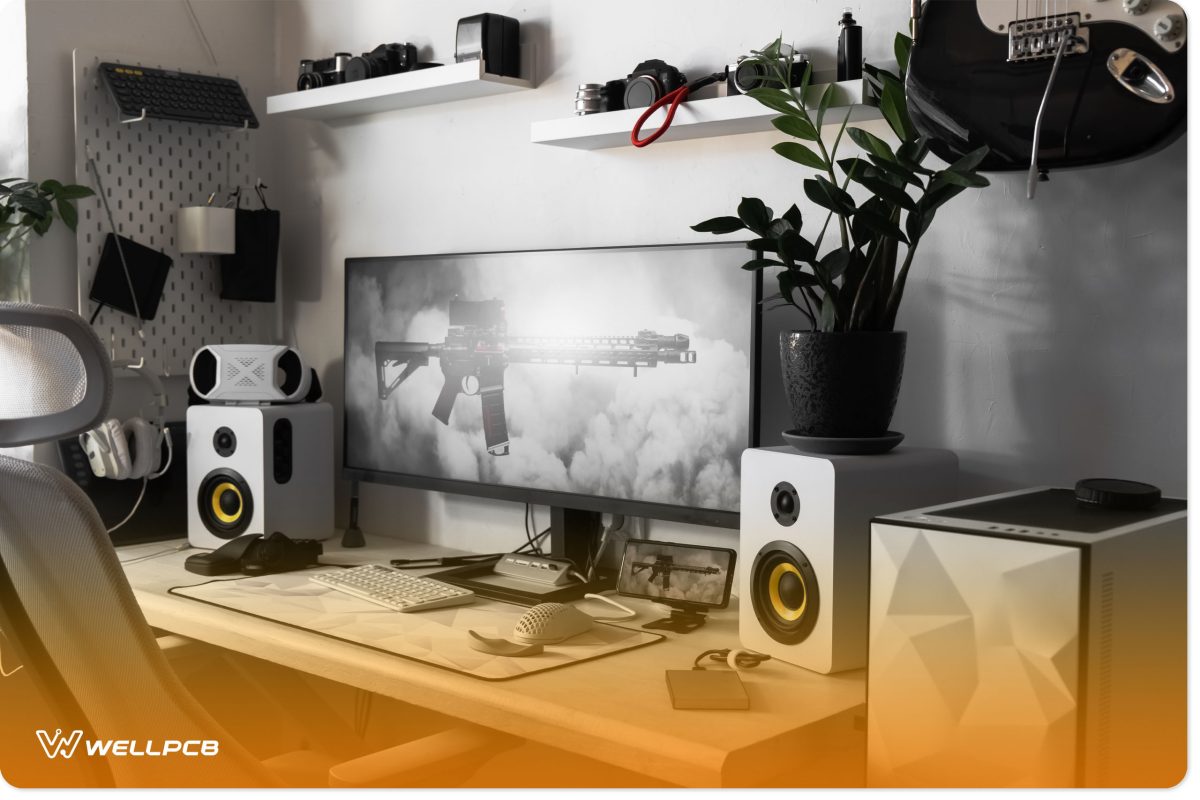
(131, 449)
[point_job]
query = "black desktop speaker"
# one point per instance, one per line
(492, 37)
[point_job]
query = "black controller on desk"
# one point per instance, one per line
(254, 554)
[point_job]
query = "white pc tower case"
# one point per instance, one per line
(1026, 639)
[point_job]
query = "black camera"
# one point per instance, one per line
(753, 72)
(322, 71)
(649, 81)
(386, 59)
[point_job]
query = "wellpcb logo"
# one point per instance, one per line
(58, 745)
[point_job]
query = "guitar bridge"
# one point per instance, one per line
(1037, 38)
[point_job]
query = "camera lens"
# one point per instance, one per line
(309, 80)
(224, 442)
(641, 91)
(749, 75)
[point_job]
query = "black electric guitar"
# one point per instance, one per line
(978, 72)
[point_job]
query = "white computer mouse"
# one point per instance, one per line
(550, 623)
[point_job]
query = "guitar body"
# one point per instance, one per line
(963, 92)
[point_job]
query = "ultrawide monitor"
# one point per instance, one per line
(616, 379)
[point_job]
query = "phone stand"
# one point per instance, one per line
(685, 618)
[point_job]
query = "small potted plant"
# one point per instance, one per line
(843, 372)
(29, 207)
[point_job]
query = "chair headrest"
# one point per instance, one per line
(55, 377)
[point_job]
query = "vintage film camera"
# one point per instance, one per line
(649, 81)
(386, 59)
(752, 72)
(315, 73)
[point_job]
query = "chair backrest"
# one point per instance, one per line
(65, 575)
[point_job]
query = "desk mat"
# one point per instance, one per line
(437, 637)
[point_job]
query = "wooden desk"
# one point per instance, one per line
(802, 729)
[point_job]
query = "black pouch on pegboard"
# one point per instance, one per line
(249, 273)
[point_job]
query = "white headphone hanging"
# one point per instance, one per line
(132, 449)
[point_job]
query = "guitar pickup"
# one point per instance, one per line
(1038, 38)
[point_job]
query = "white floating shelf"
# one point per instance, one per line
(423, 87)
(696, 119)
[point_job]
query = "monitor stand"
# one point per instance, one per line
(574, 535)
(685, 618)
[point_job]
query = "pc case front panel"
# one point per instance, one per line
(973, 676)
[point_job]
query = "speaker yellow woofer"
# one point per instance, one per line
(226, 503)
(784, 592)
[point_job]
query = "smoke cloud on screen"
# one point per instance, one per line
(673, 434)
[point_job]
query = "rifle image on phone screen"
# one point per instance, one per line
(478, 349)
(662, 567)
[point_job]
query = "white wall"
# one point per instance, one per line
(1046, 339)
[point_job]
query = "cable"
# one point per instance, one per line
(674, 98)
(156, 554)
(736, 659)
(629, 612)
(136, 506)
(1031, 179)
(200, 31)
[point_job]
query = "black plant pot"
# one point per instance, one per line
(842, 384)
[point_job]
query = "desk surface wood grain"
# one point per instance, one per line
(801, 728)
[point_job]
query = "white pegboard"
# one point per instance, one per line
(150, 169)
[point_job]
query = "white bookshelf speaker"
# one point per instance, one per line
(259, 469)
(804, 554)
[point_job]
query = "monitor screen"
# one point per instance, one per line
(615, 379)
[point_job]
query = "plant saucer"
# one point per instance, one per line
(844, 445)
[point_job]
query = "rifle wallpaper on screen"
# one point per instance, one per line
(478, 349)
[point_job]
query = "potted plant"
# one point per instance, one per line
(29, 207)
(843, 372)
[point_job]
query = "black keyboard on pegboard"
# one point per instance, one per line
(145, 92)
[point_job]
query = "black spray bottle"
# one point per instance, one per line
(849, 52)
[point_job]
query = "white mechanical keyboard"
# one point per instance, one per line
(393, 588)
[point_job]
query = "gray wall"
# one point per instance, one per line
(1047, 339)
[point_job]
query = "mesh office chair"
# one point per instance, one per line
(67, 609)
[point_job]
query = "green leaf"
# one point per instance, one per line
(828, 320)
(795, 248)
(796, 126)
(912, 153)
(761, 263)
(917, 223)
(66, 210)
(834, 263)
(52, 186)
(896, 169)
(887, 191)
(719, 225)
(755, 214)
(823, 105)
(793, 216)
(776, 100)
(880, 224)
(902, 47)
(797, 152)
(871, 143)
(826, 195)
(972, 180)
(895, 109)
(74, 192)
(765, 245)
(971, 160)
